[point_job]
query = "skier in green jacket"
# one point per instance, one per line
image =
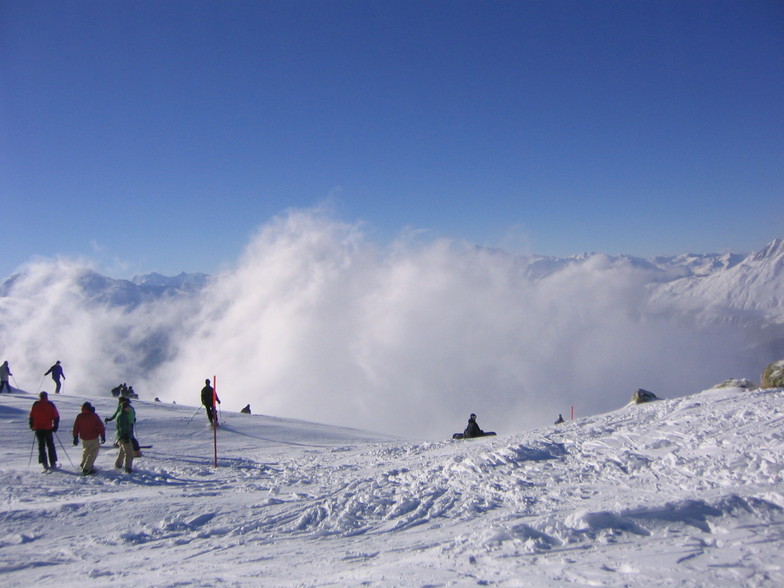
(124, 435)
(122, 401)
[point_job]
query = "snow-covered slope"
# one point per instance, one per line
(683, 492)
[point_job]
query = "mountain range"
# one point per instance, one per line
(747, 288)
(712, 288)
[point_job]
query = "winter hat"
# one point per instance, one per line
(86, 406)
(473, 416)
(43, 395)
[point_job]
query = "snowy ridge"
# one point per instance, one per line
(756, 284)
(680, 492)
(99, 289)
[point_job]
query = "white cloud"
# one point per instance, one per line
(317, 322)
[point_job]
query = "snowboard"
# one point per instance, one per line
(485, 434)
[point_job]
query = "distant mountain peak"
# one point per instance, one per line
(774, 249)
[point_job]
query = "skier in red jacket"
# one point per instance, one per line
(44, 420)
(89, 427)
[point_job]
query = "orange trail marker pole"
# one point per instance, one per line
(215, 418)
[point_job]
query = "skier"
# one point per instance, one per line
(89, 426)
(45, 420)
(472, 430)
(124, 435)
(121, 403)
(208, 399)
(5, 372)
(57, 372)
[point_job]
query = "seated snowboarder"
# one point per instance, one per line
(473, 430)
(560, 419)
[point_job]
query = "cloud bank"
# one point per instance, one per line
(317, 322)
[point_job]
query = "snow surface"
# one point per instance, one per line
(679, 492)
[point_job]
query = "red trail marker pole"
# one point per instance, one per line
(572, 411)
(215, 418)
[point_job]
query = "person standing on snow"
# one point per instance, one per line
(208, 399)
(45, 420)
(122, 402)
(57, 372)
(5, 373)
(124, 436)
(89, 427)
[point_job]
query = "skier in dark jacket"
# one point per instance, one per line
(57, 372)
(472, 430)
(5, 373)
(208, 399)
(45, 420)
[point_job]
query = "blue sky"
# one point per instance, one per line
(159, 136)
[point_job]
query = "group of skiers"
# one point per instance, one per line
(45, 420)
(88, 426)
(56, 371)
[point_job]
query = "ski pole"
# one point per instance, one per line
(31, 453)
(194, 415)
(15, 383)
(64, 451)
(41, 383)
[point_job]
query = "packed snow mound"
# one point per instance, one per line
(676, 492)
